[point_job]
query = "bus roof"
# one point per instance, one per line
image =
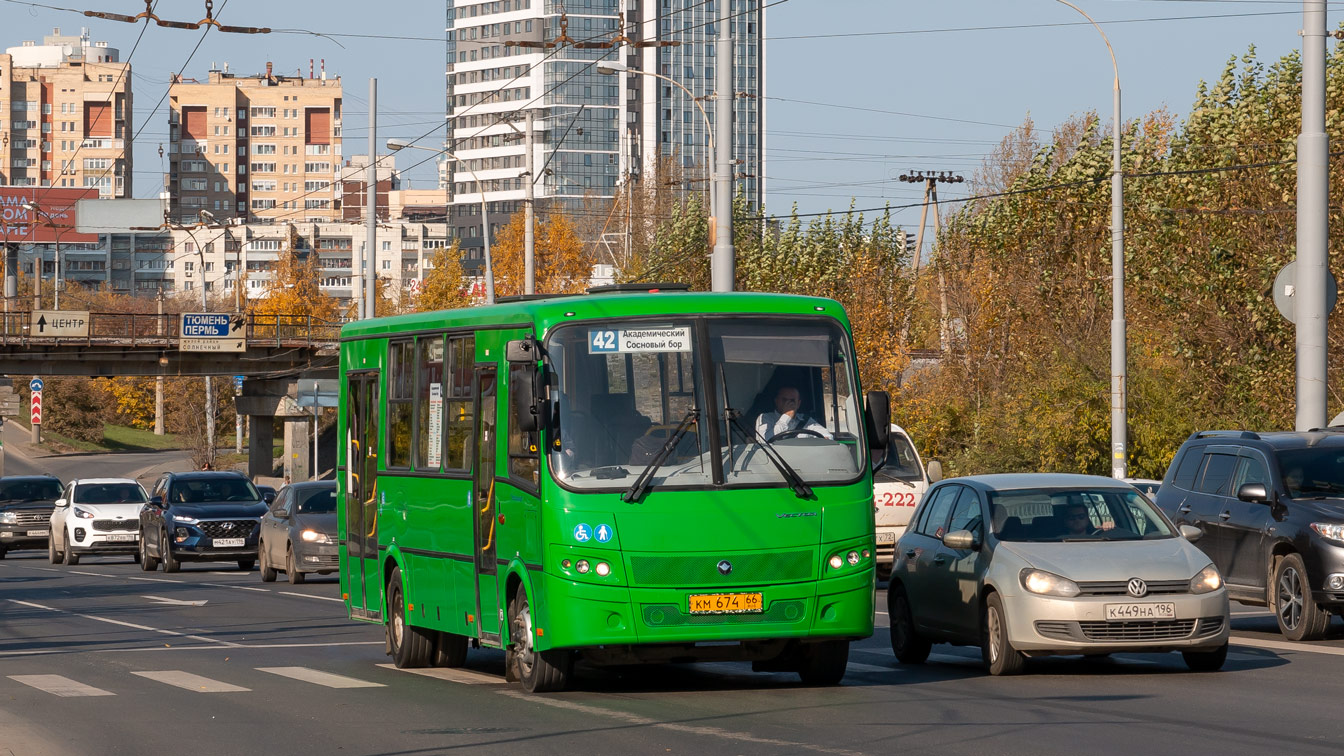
(548, 311)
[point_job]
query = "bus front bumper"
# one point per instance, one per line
(587, 615)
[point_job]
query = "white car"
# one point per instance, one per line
(897, 489)
(96, 516)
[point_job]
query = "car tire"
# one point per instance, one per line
(998, 652)
(538, 671)
(824, 663)
(412, 646)
(68, 557)
(267, 571)
(4, 550)
(165, 553)
(53, 556)
(883, 573)
(906, 643)
(450, 650)
(1205, 661)
(147, 562)
(292, 571)
(246, 565)
(1295, 608)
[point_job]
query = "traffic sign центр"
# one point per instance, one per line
(211, 332)
(61, 323)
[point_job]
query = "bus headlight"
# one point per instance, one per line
(852, 557)
(603, 569)
(582, 566)
(836, 562)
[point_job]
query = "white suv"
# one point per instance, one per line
(96, 516)
(897, 489)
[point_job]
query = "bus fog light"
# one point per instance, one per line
(852, 557)
(603, 569)
(836, 562)
(582, 566)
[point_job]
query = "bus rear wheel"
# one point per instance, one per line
(824, 663)
(538, 671)
(411, 646)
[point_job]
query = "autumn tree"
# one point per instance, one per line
(445, 285)
(293, 296)
(563, 266)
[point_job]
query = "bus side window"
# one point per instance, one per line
(524, 447)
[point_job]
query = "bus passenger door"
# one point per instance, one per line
(361, 573)
(488, 609)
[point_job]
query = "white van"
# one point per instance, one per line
(897, 489)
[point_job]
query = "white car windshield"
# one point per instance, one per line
(110, 493)
(1103, 514)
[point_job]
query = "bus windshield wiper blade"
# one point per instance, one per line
(795, 481)
(645, 479)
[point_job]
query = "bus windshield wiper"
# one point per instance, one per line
(795, 481)
(645, 479)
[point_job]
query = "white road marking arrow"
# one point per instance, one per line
(175, 602)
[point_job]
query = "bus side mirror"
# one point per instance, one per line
(523, 396)
(878, 420)
(521, 350)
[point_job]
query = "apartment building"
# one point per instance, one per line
(593, 132)
(264, 148)
(65, 113)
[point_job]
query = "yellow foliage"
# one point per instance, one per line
(445, 286)
(562, 264)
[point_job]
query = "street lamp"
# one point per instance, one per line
(1119, 400)
(611, 67)
(401, 144)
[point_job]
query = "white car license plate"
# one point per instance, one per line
(1129, 612)
(39, 532)
(120, 537)
(887, 536)
(229, 543)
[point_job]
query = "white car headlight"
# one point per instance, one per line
(83, 514)
(1048, 583)
(1333, 531)
(180, 520)
(8, 518)
(1206, 581)
(314, 536)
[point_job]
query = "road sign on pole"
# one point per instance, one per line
(211, 332)
(35, 408)
(60, 323)
(35, 384)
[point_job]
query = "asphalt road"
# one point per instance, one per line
(103, 659)
(86, 465)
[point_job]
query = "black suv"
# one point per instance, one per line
(26, 502)
(1271, 506)
(200, 517)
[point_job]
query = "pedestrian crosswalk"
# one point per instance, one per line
(65, 687)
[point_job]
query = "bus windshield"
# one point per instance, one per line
(622, 390)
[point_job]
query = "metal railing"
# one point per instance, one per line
(153, 330)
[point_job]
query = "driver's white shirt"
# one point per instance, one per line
(771, 424)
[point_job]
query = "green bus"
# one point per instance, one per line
(638, 474)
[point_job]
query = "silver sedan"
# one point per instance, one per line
(1039, 564)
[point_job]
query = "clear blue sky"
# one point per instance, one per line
(940, 59)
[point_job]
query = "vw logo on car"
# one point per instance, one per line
(1137, 588)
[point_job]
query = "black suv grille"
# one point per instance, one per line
(228, 528)
(31, 518)
(116, 524)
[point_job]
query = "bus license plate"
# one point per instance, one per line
(1127, 612)
(229, 543)
(727, 603)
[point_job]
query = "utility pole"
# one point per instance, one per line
(158, 382)
(931, 180)
(722, 263)
(1313, 225)
(529, 230)
(371, 205)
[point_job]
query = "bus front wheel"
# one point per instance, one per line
(538, 671)
(824, 663)
(411, 646)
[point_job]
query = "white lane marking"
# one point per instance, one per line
(175, 602)
(320, 678)
(305, 595)
(1287, 646)
(59, 686)
(1253, 613)
(236, 646)
(188, 681)
(711, 732)
(155, 580)
(884, 614)
(90, 574)
(237, 587)
(464, 676)
(869, 667)
(125, 624)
